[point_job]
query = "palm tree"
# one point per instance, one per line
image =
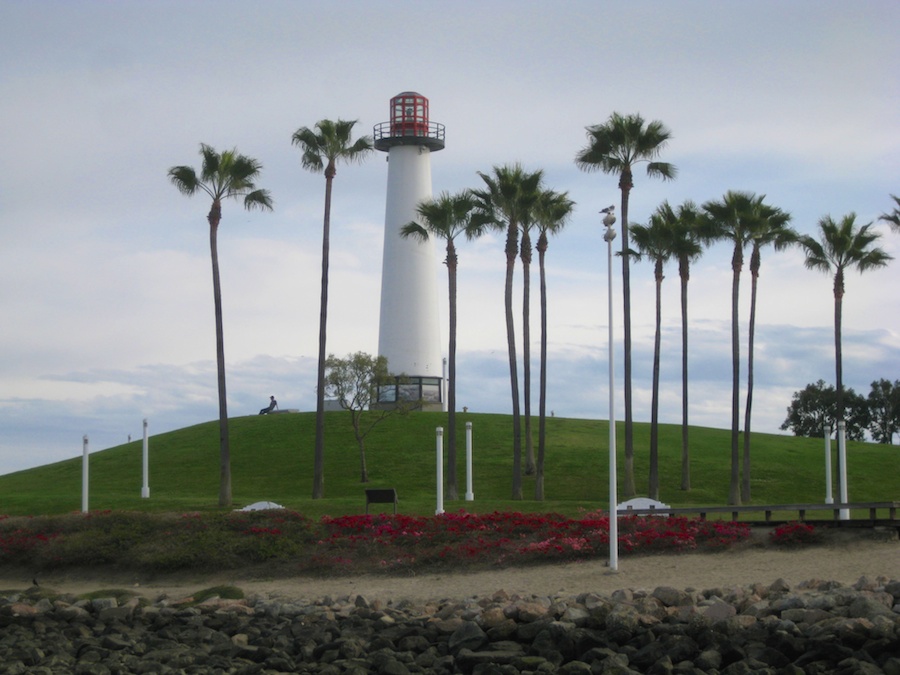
(655, 241)
(770, 227)
(323, 147)
(733, 219)
(615, 147)
(893, 218)
(687, 247)
(222, 176)
(842, 246)
(553, 210)
(447, 217)
(508, 199)
(525, 254)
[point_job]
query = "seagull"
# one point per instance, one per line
(608, 209)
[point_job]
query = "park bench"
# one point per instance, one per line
(381, 496)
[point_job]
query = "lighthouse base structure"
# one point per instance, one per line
(409, 332)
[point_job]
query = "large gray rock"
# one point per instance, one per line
(468, 636)
(815, 626)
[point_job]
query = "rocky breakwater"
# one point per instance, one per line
(815, 627)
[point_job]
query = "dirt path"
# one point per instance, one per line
(844, 559)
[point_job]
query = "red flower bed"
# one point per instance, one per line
(794, 534)
(507, 538)
(347, 544)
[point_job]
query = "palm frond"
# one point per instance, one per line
(311, 145)
(210, 165)
(258, 199)
(893, 218)
(842, 246)
(184, 178)
(330, 142)
(624, 140)
(415, 231)
(663, 170)
(223, 175)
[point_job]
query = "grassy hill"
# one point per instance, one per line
(272, 459)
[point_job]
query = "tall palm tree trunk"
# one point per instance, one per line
(451, 486)
(751, 332)
(653, 491)
(734, 495)
(628, 489)
(511, 250)
(526, 350)
(684, 273)
(319, 453)
(214, 217)
(542, 396)
(838, 356)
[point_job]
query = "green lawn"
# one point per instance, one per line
(272, 459)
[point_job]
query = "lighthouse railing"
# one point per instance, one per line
(433, 130)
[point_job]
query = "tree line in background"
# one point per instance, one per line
(814, 408)
(517, 202)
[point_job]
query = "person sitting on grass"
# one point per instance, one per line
(273, 405)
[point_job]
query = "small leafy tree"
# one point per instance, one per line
(354, 382)
(884, 410)
(816, 405)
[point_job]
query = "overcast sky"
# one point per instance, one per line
(105, 282)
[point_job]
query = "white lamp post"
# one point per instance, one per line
(470, 495)
(829, 499)
(85, 453)
(145, 461)
(609, 220)
(842, 466)
(439, 448)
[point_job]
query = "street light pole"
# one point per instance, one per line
(609, 220)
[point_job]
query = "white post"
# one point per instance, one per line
(440, 471)
(470, 496)
(444, 387)
(829, 498)
(84, 474)
(145, 490)
(608, 236)
(842, 467)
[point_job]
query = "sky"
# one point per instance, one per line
(105, 278)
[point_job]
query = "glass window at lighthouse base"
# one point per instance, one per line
(423, 390)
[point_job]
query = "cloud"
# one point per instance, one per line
(105, 281)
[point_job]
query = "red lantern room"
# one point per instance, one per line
(409, 124)
(409, 114)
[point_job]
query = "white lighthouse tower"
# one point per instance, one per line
(409, 332)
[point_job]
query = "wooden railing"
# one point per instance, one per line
(768, 509)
